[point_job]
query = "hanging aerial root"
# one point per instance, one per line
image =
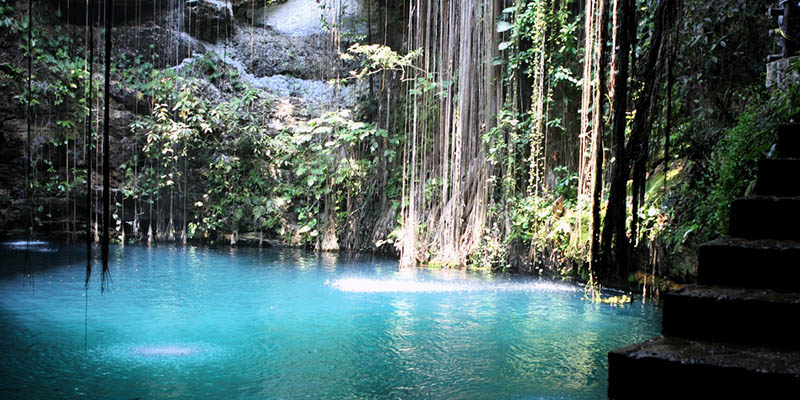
(106, 144)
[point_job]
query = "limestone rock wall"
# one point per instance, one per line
(283, 49)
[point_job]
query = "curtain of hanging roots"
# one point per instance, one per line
(446, 147)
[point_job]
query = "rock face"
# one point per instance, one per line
(12, 174)
(732, 335)
(125, 11)
(267, 52)
(316, 96)
(207, 20)
(155, 43)
(303, 17)
(781, 75)
(284, 50)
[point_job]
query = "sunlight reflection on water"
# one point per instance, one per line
(205, 324)
(169, 350)
(178, 352)
(33, 245)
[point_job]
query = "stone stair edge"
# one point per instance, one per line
(722, 292)
(756, 244)
(688, 351)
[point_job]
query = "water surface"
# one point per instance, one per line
(195, 323)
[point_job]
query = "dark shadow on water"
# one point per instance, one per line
(43, 256)
(46, 255)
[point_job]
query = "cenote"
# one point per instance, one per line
(189, 322)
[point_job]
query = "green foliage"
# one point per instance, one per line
(57, 101)
(223, 144)
(537, 37)
(216, 151)
(566, 185)
(333, 158)
(717, 67)
(210, 65)
(492, 252)
(731, 171)
(376, 58)
(242, 175)
(7, 20)
(9, 75)
(526, 31)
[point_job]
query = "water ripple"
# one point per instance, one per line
(192, 323)
(365, 285)
(162, 352)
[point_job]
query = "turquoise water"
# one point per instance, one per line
(196, 323)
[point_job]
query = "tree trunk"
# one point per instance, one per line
(614, 224)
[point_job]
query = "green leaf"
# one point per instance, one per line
(503, 26)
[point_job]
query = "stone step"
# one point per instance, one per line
(766, 217)
(735, 315)
(762, 264)
(668, 367)
(778, 177)
(789, 141)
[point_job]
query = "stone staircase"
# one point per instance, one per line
(733, 335)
